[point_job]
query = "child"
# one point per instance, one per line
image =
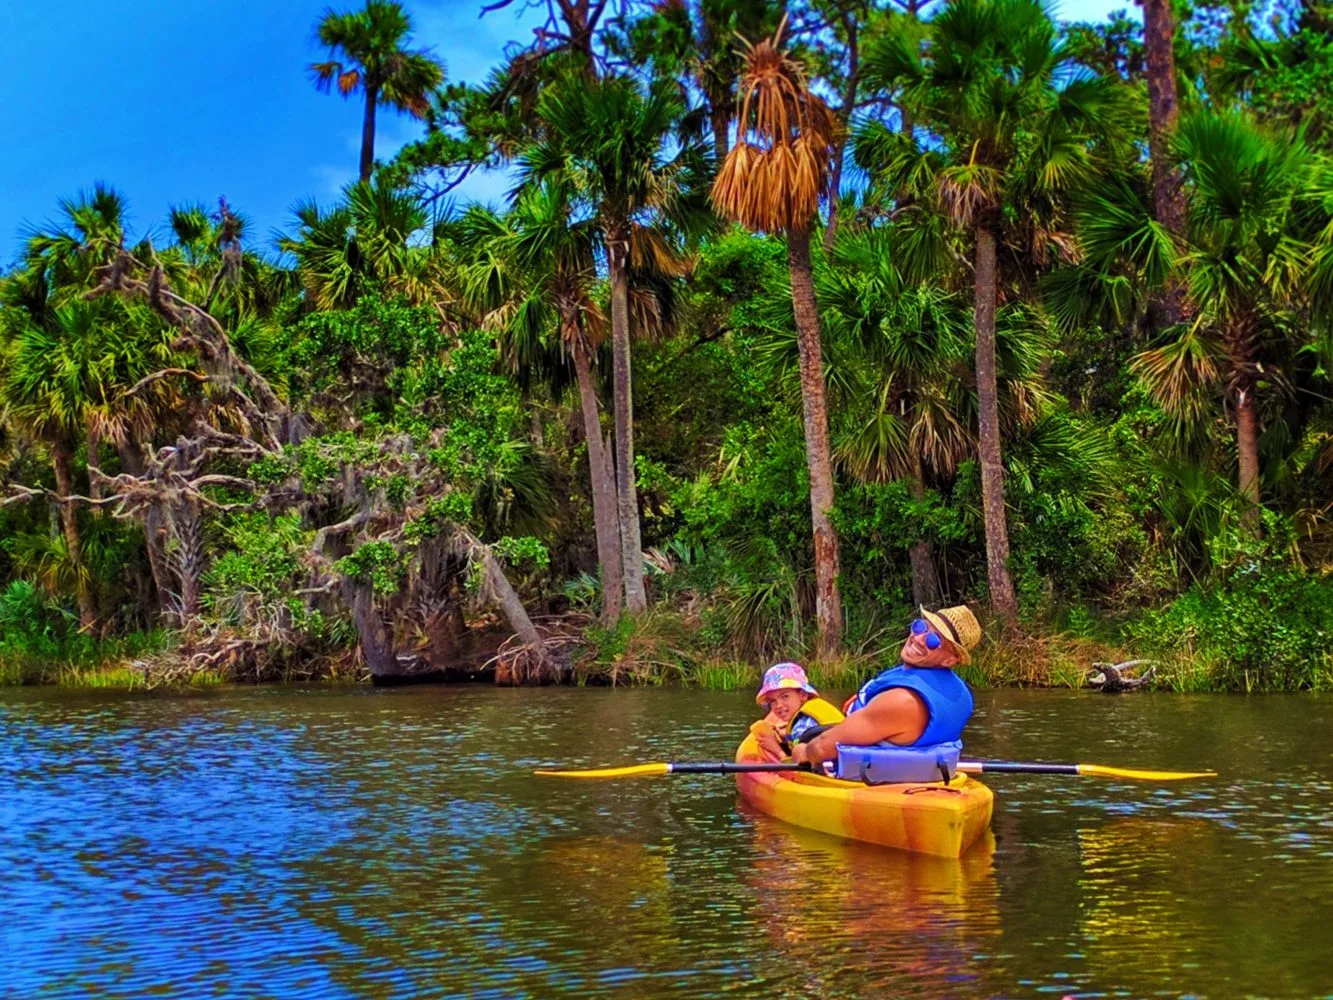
(794, 706)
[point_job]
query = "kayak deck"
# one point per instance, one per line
(925, 817)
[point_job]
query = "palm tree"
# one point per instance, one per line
(65, 378)
(700, 45)
(363, 242)
(533, 270)
(367, 54)
(900, 346)
(772, 181)
(66, 381)
(91, 231)
(1002, 138)
(1159, 40)
(207, 263)
(620, 148)
(1259, 264)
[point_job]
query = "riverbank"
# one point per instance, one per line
(662, 647)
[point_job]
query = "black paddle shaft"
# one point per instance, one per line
(1010, 767)
(736, 767)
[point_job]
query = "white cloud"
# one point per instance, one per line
(331, 180)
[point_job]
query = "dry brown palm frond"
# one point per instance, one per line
(649, 250)
(497, 318)
(645, 313)
(1051, 245)
(938, 436)
(582, 322)
(776, 173)
(1023, 401)
(968, 190)
(1176, 373)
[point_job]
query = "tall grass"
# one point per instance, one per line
(79, 661)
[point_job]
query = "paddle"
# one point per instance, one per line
(966, 766)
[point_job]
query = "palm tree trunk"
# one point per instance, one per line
(631, 547)
(925, 580)
(609, 560)
(1002, 599)
(188, 527)
(720, 117)
(849, 25)
(132, 462)
(1247, 448)
(814, 408)
(159, 563)
(368, 133)
(62, 460)
(1159, 34)
(94, 447)
(1243, 383)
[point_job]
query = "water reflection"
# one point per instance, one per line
(852, 915)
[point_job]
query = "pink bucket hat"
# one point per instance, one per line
(784, 676)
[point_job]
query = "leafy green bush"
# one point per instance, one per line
(40, 640)
(31, 625)
(1267, 627)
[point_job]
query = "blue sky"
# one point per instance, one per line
(177, 103)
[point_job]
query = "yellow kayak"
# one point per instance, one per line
(928, 818)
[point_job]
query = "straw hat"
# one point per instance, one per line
(958, 627)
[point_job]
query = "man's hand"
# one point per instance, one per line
(799, 753)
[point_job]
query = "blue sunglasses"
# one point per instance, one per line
(922, 627)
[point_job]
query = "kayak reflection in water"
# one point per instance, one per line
(920, 702)
(794, 706)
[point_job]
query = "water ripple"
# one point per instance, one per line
(327, 843)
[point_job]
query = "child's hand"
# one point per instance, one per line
(769, 745)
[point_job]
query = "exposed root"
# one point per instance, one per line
(517, 663)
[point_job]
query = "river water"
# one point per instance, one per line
(277, 842)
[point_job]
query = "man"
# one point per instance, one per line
(920, 702)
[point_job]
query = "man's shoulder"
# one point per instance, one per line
(895, 697)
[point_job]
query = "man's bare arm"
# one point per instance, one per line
(898, 715)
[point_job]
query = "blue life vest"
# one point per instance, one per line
(947, 699)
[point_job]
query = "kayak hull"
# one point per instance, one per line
(926, 817)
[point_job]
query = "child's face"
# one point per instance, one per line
(785, 704)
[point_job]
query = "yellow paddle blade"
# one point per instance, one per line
(636, 771)
(1099, 771)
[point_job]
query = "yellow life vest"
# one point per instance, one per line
(822, 712)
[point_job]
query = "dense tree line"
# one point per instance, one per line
(799, 315)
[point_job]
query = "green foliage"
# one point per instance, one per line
(261, 560)
(40, 640)
(361, 348)
(377, 563)
(1264, 628)
(515, 551)
(30, 623)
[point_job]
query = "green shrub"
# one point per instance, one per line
(1266, 627)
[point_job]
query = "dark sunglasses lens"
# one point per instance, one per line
(932, 641)
(919, 626)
